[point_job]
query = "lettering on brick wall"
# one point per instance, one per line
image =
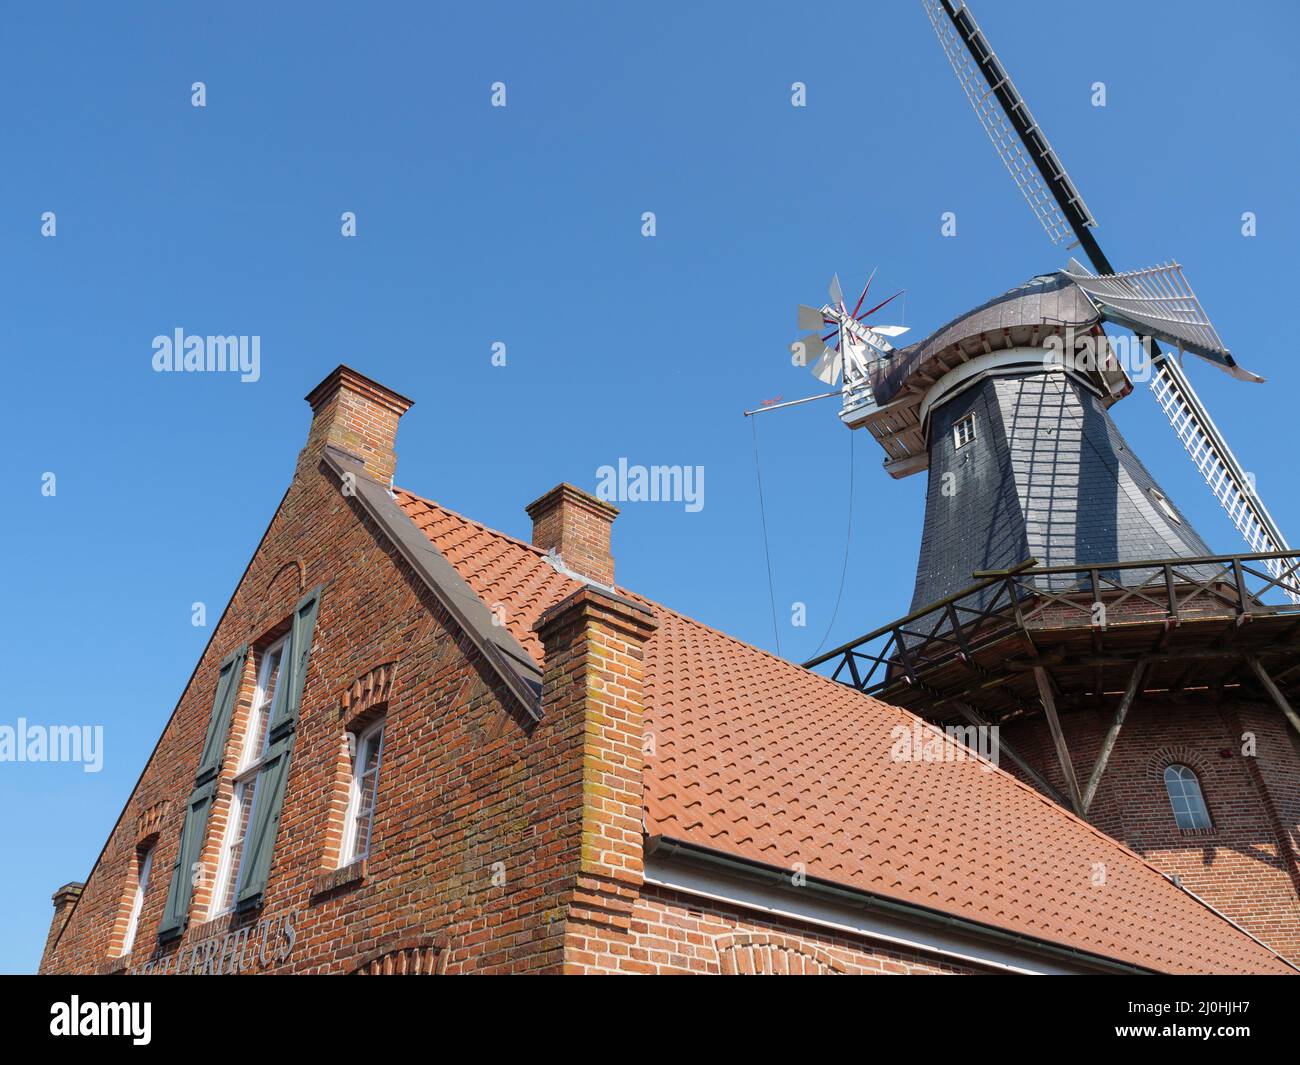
(250, 949)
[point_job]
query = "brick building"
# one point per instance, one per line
(417, 745)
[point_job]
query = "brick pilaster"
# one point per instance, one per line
(593, 703)
(64, 899)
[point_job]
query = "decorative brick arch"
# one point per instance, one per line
(301, 571)
(287, 582)
(367, 693)
(771, 954)
(1175, 755)
(420, 956)
(148, 823)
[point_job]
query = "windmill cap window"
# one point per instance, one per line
(963, 431)
(1166, 507)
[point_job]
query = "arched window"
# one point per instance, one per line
(1186, 799)
(143, 867)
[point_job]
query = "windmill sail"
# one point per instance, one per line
(1005, 117)
(1158, 302)
(810, 317)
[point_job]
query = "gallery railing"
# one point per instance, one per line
(1032, 598)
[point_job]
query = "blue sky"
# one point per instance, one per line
(523, 225)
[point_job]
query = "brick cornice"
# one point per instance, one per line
(568, 493)
(68, 893)
(589, 604)
(345, 377)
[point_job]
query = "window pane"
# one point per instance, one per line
(1185, 799)
(366, 802)
(272, 673)
(362, 835)
(268, 674)
(365, 787)
(370, 753)
(240, 812)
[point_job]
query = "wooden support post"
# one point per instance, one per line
(1058, 737)
(1274, 691)
(971, 715)
(1108, 745)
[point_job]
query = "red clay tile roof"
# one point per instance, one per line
(770, 762)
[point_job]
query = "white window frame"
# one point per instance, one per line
(1162, 501)
(361, 744)
(968, 419)
(252, 755)
(1192, 799)
(144, 867)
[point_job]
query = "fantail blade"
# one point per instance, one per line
(810, 317)
(807, 350)
(837, 293)
(827, 368)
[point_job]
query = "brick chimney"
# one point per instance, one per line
(64, 899)
(577, 526)
(352, 412)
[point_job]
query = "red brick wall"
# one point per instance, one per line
(1246, 864)
(499, 844)
(593, 690)
(676, 933)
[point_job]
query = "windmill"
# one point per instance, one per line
(1054, 574)
(1156, 302)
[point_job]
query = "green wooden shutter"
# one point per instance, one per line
(195, 826)
(265, 823)
(177, 912)
(293, 673)
(223, 705)
(264, 826)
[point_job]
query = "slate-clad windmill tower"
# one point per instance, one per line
(1023, 457)
(1135, 675)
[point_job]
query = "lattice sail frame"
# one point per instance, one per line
(1006, 141)
(1232, 487)
(1159, 301)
